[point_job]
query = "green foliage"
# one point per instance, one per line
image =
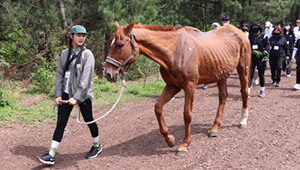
(152, 88)
(44, 81)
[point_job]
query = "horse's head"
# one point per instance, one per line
(123, 52)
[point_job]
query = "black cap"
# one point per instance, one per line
(255, 23)
(225, 18)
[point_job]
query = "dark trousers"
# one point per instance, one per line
(261, 67)
(276, 67)
(298, 73)
(64, 112)
(275, 75)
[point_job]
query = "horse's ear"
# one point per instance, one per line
(116, 25)
(129, 27)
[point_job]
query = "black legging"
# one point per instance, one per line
(261, 67)
(64, 112)
(298, 73)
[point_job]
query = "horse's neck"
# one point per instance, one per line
(157, 45)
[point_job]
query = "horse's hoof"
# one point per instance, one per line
(181, 153)
(242, 126)
(172, 143)
(212, 134)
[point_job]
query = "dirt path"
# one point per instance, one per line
(131, 139)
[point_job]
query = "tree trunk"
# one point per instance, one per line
(107, 41)
(297, 11)
(217, 9)
(63, 15)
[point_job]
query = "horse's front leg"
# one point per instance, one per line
(187, 113)
(222, 86)
(167, 94)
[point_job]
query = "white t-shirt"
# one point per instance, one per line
(297, 32)
(269, 31)
(67, 76)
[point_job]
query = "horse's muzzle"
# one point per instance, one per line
(111, 77)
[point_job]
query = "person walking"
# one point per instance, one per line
(74, 83)
(296, 53)
(297, 30)
(269, 29)
(260, 45)
(279, 52)
(225, 20)
(245, 29)
(290, 39)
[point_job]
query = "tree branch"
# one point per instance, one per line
(34, 29)
(15, 19)
(43, 53)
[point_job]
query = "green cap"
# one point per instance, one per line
(76, 29)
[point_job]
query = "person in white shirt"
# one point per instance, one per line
(269, 29)
(297, 30)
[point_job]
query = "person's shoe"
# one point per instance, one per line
(274, 83)
(95, 151)
(205, 86)
(47, 159)
(262, 94)
(288, 75)
(256, 82)
(296, 86)
(277, 84)
(284, 73)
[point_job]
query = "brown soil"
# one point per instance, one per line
(131, 139)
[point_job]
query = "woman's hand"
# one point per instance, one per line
(72, 101)
(57, 101)
(287, 58)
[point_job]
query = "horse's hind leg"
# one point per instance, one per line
(244, 75)
(222, 86)
(167, 94)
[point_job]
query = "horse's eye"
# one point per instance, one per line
(120, 45)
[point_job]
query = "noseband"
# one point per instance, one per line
(122, 65)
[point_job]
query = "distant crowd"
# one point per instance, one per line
(277, 44)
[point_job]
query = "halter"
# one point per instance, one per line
(122, 65)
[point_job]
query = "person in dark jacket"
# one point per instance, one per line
(260, 46)
(279, 52)
(290, 39)
(296, 53)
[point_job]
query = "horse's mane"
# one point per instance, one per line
(162, 28)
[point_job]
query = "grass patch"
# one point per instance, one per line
(31, 108)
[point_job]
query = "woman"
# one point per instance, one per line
(245, 29)
(259, 44)
(296, 53)
(279, 52)
(290, 39)
(74, 83)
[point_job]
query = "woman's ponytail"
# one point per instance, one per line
(68, 62)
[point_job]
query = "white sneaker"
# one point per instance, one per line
(296, 86)
(288, 75)
(256, 82)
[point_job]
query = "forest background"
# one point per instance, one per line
(34, 32)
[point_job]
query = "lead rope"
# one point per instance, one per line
(78, 108)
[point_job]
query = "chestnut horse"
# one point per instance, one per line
(187, 57)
